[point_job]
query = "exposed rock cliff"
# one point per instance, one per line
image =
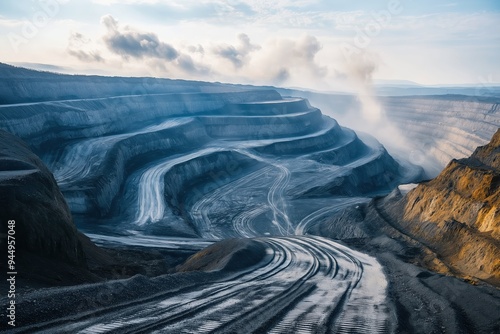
(29, 195)
(450, 224)
(457, 214)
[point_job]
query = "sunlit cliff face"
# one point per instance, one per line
(461, 207)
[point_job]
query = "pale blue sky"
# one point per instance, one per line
(309, 43)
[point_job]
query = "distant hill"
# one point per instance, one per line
(21, 85)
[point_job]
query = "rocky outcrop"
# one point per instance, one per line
(29, 195)
(457, 214)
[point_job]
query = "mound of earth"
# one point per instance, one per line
(226, 255)
(29, 195)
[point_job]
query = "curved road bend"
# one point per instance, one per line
(305, 285)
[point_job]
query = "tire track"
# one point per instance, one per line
(151, 184)
(313, 217)
(200, 211)
(81, 159)
(304, 283)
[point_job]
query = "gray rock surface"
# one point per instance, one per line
(29, 195)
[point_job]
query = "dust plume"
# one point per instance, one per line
(359, 70)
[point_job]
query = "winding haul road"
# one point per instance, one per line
(304, 285)
(82, 158)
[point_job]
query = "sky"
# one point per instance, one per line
(316, 44)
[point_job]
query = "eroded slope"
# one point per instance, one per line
(458, 213)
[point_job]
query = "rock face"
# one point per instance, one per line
(29, 195)
(437, 128)
(444, 127)
(457, 214)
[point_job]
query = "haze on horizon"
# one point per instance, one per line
(316, 44)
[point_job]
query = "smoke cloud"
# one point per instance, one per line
(359, 70)
(287, 61)
(368, 115)
(237, 54)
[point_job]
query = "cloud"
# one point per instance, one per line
(305, 50)
(360, 68)
(11, 23)
(276, 61)
(236, 54)
(299, 55)
(281, 76)
(187, 64)
(196, 49)
(77, 44)
(128, 2)
(278, 7)
(161, 58)
(288, 60)
(129, 43)
(88, 57)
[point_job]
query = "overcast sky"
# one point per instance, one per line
(316, 44)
